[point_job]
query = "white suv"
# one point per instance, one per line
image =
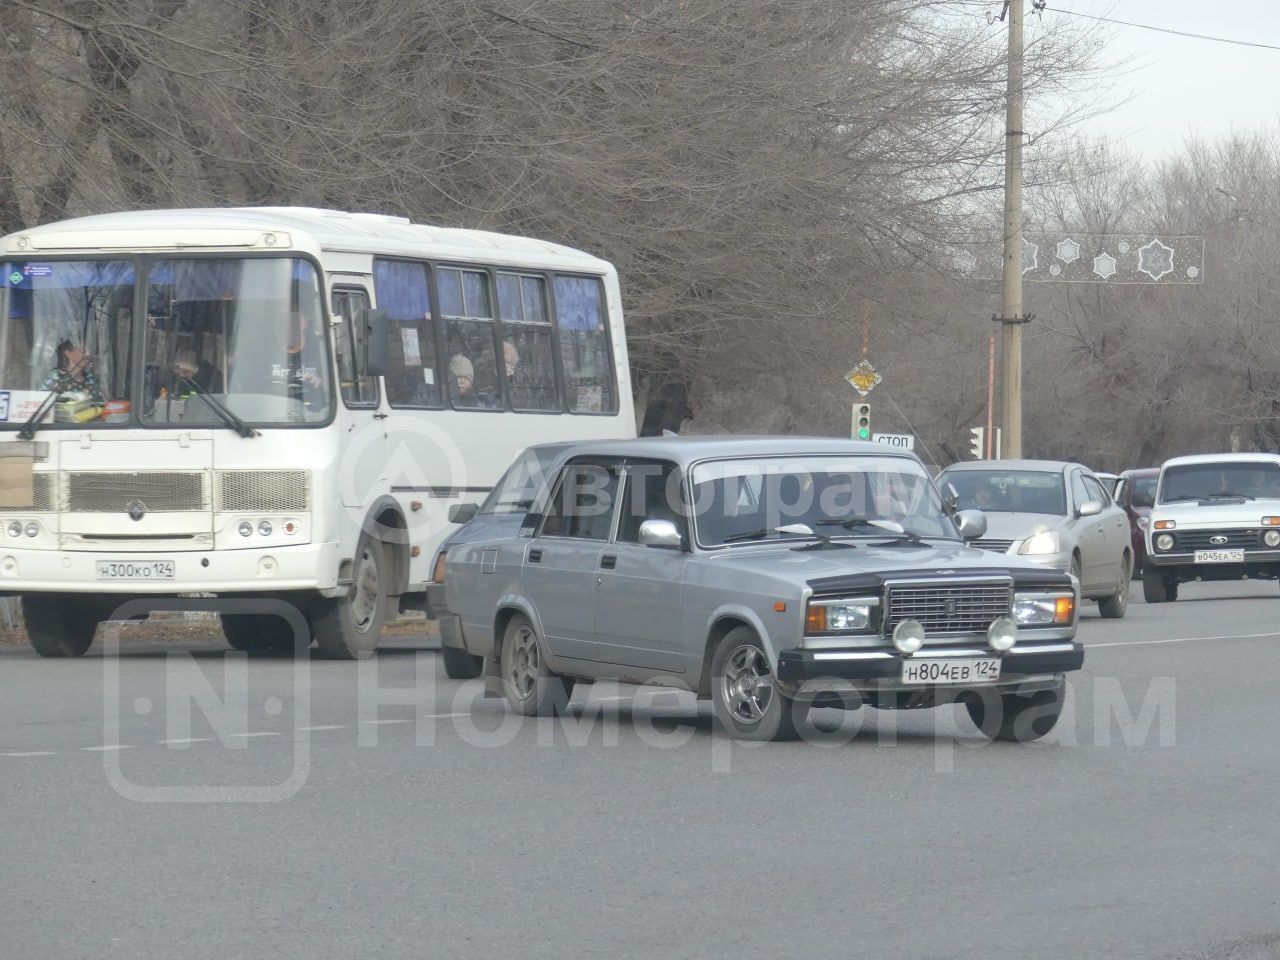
(1216, 517)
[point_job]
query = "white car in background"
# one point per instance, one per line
(1053, 512)
(1216, 517)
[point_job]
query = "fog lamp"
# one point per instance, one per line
(908, 636)
(1002, 634)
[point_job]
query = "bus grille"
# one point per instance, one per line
(949, 609)
(263, 491)
(44, 495)
(158, 492)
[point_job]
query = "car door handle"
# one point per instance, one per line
(608, 561)
(535, 555)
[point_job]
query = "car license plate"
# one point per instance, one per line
(1219, 556)
(952, 670)
(135, 569)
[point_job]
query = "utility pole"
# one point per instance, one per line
(1011, 317)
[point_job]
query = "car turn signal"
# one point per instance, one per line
(1271, 521)
(1064, 608)
(815, 619)
(1165, 524)
(437, 574)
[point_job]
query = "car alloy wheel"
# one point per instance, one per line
(747, 684)
(524, 663)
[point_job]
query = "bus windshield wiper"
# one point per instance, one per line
(227, 417)
(28, 431)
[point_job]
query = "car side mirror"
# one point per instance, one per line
(463, 512)
(662, 534)
(376, 330)
(972, 524)
(1090, 508)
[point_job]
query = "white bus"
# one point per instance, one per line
(276, 403)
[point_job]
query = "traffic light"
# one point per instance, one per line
(978, 442)
(862, 421)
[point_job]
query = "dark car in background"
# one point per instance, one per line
(1136, 494)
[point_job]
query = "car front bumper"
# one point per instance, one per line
(881, 670)
(1265, 563)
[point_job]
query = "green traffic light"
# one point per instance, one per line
(864, 434)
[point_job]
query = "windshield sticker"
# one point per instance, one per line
(38, 270)
(409, 340)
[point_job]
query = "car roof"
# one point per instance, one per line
(1203, 458)
(688, 450)
(1139, 472)
(1048, 466)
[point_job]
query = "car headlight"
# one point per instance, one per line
(854, 616)
(1043, 609)
(1164, 541)
(1044, 542)
(1271, 538)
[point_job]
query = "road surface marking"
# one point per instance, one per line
(108, 748)
(1140, 643)
(385, 722)
(259, 733)
(324, 726)
(28, 753)
(187, 740)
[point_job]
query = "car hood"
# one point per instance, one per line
(1019, 526)
(487, 526)
(1194, 514)
(834, 564)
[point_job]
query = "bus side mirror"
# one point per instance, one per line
(376, 330)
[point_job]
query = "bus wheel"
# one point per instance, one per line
(59, 625)
(348, 628)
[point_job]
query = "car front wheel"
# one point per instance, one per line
(744, 692)
(1016, 717)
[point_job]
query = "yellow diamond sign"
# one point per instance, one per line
(863, 378)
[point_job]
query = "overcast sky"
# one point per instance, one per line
(1179, 85)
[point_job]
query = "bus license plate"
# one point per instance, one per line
(135, 569)
(1219, 556)
(952, 670)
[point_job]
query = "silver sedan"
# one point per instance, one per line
(1056, 513)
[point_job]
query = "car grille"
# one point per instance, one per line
(1200, 539)
(158, 492)
(949, 609)
(995, 546)
(263, 491)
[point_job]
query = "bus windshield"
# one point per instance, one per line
(65, 327)
(249, 332)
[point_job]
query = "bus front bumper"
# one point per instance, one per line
(309, 566)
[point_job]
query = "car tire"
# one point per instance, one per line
(531, 687)
(349, 628)
(1016, 717)
(1114, 606)
(1156, 589)
(460, 665)
(58, 624)
(251, 632)
(743, 690)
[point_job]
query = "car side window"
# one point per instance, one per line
(583, 504)
(652, 493)
(1096, 491)
(1079, 493)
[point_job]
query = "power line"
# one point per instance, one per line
(1177, 33)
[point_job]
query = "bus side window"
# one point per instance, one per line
(357, 391)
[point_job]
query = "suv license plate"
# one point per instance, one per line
(952, 670)
(135, 569)
(1219, 556)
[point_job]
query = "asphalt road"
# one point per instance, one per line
(296, 810)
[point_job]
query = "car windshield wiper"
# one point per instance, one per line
(764, 532)
(227, 417)
(907, 538)
(853, 523)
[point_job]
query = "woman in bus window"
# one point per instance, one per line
(73, 373)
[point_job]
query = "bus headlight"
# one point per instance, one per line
(246, 528)
(15, 529)
(265, 528)
(32, 529)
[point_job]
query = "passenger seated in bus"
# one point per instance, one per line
(462, 377)
(203, 373)
(523, 388)
(73, 373)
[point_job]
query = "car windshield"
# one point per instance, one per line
(1209, 481)
(1144, 491)
(65, 329)
(523, 481)
(1008, 491)
(247, 334)
(746, 500)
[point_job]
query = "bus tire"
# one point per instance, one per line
(349, 628)
(59, 625)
